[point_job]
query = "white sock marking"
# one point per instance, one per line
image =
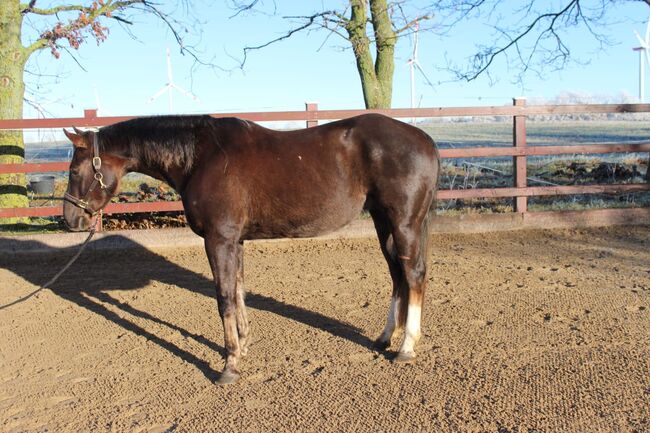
(389, 329)
(412, 331)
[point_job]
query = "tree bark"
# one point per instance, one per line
(13, 192)
(376, 76)
(385, 40)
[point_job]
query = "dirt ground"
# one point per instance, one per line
(529, 331)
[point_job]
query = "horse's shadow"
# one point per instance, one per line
(89, 281)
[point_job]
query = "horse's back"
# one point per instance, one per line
(360, 136)
(363, 154)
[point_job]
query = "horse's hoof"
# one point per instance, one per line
(227, 378)
(380, 344)
(405, 357)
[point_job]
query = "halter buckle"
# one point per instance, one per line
(97, 162)
(99, 177)
(81, 203)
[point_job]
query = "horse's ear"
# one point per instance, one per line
(77, 138)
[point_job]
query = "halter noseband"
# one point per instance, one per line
(98, 178)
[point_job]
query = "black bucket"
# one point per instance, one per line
(42, 185)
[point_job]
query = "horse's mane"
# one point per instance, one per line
(160, 141)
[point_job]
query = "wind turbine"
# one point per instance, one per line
(643, 58)
(170, 86)
(414, 64)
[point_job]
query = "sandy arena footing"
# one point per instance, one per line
(524, 331)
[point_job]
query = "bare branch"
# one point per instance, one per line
(87, 21)
(71, 54)
(108, 6)
(28, 7)
(411, 24)
(121, 20)
(484, 60)
(310, 21)
(538, 40)
(244, 8)
(55, 10)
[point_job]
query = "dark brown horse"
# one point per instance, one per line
(241, 181)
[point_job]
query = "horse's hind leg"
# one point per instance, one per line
(411, 241)
(402, 225)
(384, 229)
(242, 318)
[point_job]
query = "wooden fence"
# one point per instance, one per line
(519, 151)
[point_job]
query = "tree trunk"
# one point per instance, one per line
(376, 76)
(385, 40)
(13, 192)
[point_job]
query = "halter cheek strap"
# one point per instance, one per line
(97, 161)
(98, 178)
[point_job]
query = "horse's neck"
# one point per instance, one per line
(172, 175)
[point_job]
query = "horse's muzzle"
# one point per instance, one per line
(83, 224)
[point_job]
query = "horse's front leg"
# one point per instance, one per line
(242, 317)
(223, 256)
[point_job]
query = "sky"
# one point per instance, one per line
(119, 76)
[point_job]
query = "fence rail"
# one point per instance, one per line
(313, 114)
(519, 111)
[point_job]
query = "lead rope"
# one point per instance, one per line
(58, 274)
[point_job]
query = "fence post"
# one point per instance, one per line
(90, 114)
(519, 162)
(312, 114)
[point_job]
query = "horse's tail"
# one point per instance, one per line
(426, 225)
(432, 207)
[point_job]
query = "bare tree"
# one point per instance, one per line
(532, 36)
(367, 26)
(540, 38)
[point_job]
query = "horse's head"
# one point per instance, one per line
(93, 180)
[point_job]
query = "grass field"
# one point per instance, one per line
(545, 170)
(539, 133)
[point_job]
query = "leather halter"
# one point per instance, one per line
(98, 178)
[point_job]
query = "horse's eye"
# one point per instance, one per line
(74, 172)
